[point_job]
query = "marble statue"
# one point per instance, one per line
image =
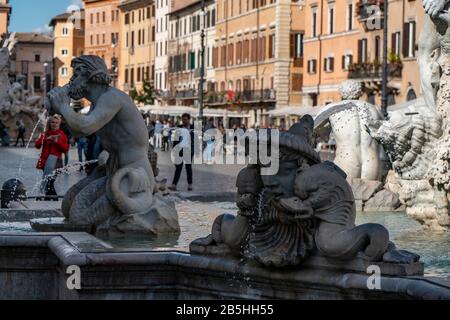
(417, 137)
(306, 209)
(120, 197)
(16, 102)
(357, 153)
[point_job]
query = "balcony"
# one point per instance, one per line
(186, 95)
(241, 97)
(371, 71)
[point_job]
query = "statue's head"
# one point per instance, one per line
(351, 90)
(87, 70)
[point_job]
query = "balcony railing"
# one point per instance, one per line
(248, 96)
(374, 71)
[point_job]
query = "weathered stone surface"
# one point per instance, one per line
(364, 189)
(383, 200)
(58, 225)
(34, 261)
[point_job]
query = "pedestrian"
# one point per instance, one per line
(94, 148)
(54, 144)
(185, 141)
(21, 133)
(151, 132)
(82, 145)
(165, 136)
(68, 134)
(209, 141)
(158, 134)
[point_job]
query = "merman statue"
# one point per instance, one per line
(118, 197)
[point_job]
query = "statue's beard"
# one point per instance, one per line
(78, 92)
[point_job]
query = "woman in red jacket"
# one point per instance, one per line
(54, 144)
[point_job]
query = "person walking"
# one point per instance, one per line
(82, 146)
(186, 143)
(54, 144)
(68, 134)
(4, 135)
(209, 140)
(21, 133)
(158, 134)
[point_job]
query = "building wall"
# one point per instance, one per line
(102, 26)
(162, 46)
(138, 55)
(25, 54)
(186, 46)
(5, 11)
(321, 86)
(69, 43)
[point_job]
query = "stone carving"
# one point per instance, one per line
(306, 209)
(417, 138)
(357, 153)
(16, 102)
(119, 197)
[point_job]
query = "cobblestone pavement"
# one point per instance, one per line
(21, 163)
(213, 178)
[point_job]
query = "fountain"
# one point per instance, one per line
(294, 235)
(16, 102)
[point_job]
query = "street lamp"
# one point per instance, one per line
(384, 88)
(202, 60)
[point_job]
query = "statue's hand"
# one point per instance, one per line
(58, 98)
(433, 7)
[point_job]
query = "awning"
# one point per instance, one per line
(180, 110)
(294, 111)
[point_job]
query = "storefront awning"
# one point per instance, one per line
(294, 111)
(179, 110)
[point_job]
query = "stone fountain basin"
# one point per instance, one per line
(164, 269)
(35, 265)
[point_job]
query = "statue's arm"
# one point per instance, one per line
(84, 125)
(428, 42)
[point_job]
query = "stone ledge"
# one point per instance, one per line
(169, 275)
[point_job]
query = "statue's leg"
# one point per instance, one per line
(369, 241)
(75, 189)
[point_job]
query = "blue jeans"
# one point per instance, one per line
(82, 149)
(207, 155)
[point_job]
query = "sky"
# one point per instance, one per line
(34, 15)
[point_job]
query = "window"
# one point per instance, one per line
(362, 51)
(37, 57)
(350, 16)
(328, 65)
(347, 61)
(127, 18)
(395, 43)
(312, 66)
(65, 31)
(331, 20)
(271, 46)
(64, 72)
(297, 82)
(409, 39)
(37, 83)
(377, 49)
(298, 45)
(314, 23)
(64, 52)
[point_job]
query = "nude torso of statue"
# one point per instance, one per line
(123, 137)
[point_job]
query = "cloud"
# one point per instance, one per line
(75, 4)
(44, 29)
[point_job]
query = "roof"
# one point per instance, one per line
(33, 37)
(180, 5)
(64, 17)
(134, 4)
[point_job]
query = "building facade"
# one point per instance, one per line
(161, 50)
(5, 13)
(32, 57)
(258, 56)
(186, 21)
(68, 35)
(102, 32)
(344, 40)
(137, 44)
